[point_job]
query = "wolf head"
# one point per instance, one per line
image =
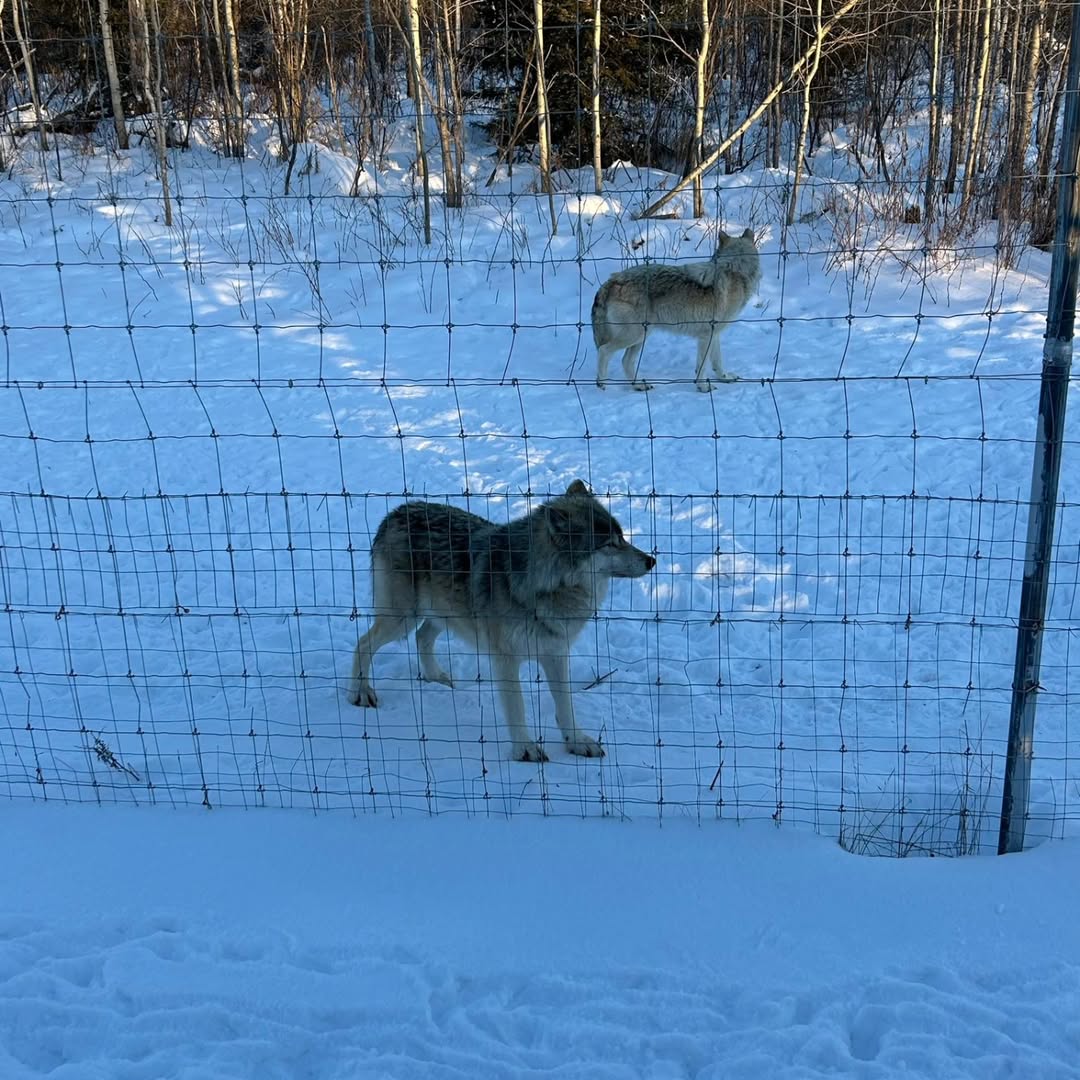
(736, 245)
(583, 530)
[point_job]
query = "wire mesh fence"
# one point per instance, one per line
(204, 423)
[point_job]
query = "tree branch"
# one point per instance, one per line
(749, 122)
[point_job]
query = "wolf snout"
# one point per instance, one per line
(639, 565)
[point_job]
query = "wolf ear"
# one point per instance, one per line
(578, 487)
(748, 234)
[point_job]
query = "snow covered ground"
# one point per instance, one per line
(201, 428)
(147, 944)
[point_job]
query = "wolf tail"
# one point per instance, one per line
(599, 314)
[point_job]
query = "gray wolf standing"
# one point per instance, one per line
(695, 299)
(517, 592)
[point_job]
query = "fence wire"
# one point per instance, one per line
(203, 425)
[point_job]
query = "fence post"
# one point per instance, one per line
(1057, 360)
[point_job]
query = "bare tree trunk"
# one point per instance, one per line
(17, 19)
(162, 126)
(214, 34)
(290, 26)
(333, 96)
(934, 134)
(1043, 209)
(1027, 109)
(697, 150)
(977, 104)
(999, 15)
(1012, 107)
(138, 57)
(372, 79)
(543, 116)
(597, 156)
(112, 74)
(732, 161)
(192, 92)
(800, 149)
(412, 19)
(452, 175)
(456, 111)
(776, 116)
(524, 105)
(151, 82)
(372, 53)
(442, 125)
(845, 9)
(3, 80)
(236, 100)
(959, 99)
(1020, 128)
(1048, 133)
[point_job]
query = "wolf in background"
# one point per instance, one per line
(695, 299)
(520, 591)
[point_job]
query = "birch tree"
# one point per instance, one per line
(412, 43)
(977, 104)
(934, 117)
(161, 127)
(961, 79)
(17, 21)
(598, 166)
(543, 115)
(763, 106)
(150, 81)
(448, 32)
(1020, 125)
(234, 99)
(290, 27)
(112, 75)
(701, 93)
(804, 127)
(444, 109)
(1042, 203)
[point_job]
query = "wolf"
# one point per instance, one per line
(519, 591)
(695, 299)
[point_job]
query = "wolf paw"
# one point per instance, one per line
(601, 385)
(705, 387)
(640, 384)
(725, 376)
(365, 697)
(529, 751)
(437, 675)
(584, 746)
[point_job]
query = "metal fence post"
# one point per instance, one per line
(1057, 360)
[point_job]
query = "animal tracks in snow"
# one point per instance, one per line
(151, 1000)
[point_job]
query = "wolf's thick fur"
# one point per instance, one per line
(517, 592)
(694, 299)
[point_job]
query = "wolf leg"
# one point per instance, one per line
(507, 670)
(604, 354)
(557, 672)
(703, 345)
(717, 360)
(631, 361)
(426, 636)
(384, 629)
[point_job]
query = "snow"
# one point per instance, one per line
(200, 429)
(226, 945)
